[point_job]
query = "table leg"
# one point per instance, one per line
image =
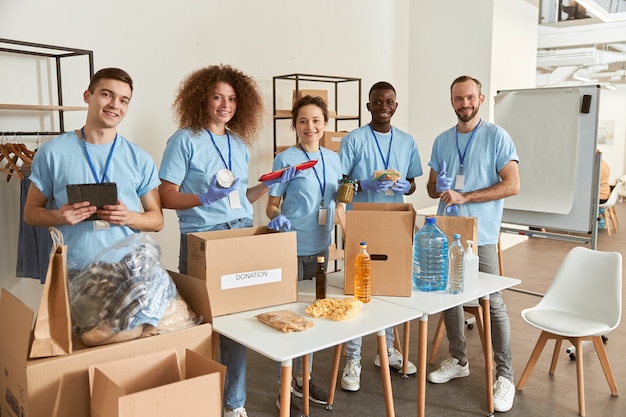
(305, 385)
(421, 366)
(285, 387)
(384, 372)
(405, 349)
(333, 378)
(488, 349)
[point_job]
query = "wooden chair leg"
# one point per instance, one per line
(437, 340)
(580, 377)
(604, 361)
(532, 361)
(396, 340)
(555, 354)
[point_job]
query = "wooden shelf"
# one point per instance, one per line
(40, 107)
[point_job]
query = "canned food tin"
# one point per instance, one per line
(225, 178)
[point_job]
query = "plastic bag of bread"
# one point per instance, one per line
(335, 308)
(386, 175)
(178, 315)
(286, 321)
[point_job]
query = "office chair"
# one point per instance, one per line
(583, 302)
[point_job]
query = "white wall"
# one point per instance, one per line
(613, 107)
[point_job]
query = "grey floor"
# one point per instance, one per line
(534, 262)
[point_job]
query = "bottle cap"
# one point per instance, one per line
(457, 236)
(431, 220)
(363, 243)
(320, 259)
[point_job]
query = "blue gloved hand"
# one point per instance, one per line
(375, 185)
(443, 183)
(216, 192)
(401, 186)
(279, 222)
(287, 175)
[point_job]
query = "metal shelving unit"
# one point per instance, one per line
(56, 53)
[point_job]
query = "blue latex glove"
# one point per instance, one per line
(443, 183)
(401, 186)
(279, 222)
(375, 185)
(288, 174)
(452, 210)
(216, 192)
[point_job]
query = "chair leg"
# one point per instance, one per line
(396, 340)
(555, 355)
(604, 361)
(532, 361)
(437, 340)
(613, 216)
(580, 377)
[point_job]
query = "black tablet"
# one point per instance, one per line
(98, 195)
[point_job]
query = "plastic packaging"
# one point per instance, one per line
(430, 258)
(456, 268)
(363, 275)
(346, 190)
(471, 266)
(320, 279)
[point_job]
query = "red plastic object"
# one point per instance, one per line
(276, 174)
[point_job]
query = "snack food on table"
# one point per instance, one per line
(387, 175)
(335, 308)
(284, 320)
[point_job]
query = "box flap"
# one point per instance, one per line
(194, 292)
(467, 227)
(53, 332)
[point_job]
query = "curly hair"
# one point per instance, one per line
(191, 103)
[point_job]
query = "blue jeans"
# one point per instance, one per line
(500, 324)
(307, 266)
(353, 347)
(232, 354)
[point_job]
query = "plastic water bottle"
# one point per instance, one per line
(471, 266)
(363, 275)
(456, 266)
(430, 258)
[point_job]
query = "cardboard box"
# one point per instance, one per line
(59, 386)
(152, 385)
(467, 227)
(245, 269)
(332, 140)
(388, 229)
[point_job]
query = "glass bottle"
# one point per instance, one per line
(363, 275)
(320, 279)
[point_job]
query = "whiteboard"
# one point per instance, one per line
(554, 131)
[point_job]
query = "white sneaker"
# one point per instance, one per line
(395, 361)
(351, 378)
(448, 370)
(237, 412)
(503, 395)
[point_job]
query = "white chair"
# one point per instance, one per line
(610, 216)
(583, 302)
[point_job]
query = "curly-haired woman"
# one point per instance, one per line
(219, 111)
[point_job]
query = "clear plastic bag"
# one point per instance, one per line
(284, 320)
(123, 288)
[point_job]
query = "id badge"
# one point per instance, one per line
(234, 200)
(388, 192)
(459, 183)
(322, 216)
(100, 225)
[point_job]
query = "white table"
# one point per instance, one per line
(435, 302)
(375, 317)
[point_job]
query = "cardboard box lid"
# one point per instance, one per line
(341, 211)
(16, 319)
(151, 385)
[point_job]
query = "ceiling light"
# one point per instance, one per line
(610, 87)
(581, 78)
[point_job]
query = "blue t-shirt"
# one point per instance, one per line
(62, 161)
(489, 151)
(361, 155)
(190, 161)
(302, 196)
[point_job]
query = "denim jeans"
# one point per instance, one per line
(500, 324)
(232, 354)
